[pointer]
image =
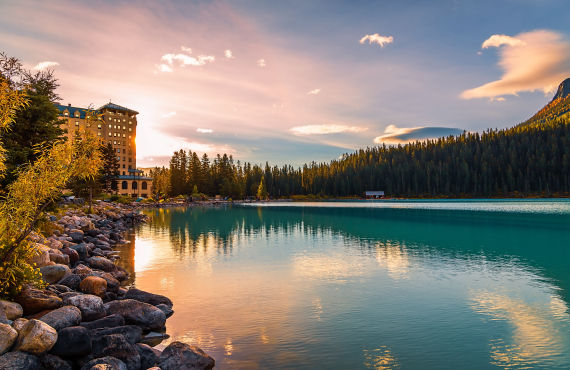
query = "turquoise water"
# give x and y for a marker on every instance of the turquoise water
(349, 285)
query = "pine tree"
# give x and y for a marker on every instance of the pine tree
(110, 169)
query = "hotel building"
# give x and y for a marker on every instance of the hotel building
(118, 126)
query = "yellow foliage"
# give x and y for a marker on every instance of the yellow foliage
(36, 185)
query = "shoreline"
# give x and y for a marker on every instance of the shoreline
(84, 317)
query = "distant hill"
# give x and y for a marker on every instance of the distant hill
(559, 107)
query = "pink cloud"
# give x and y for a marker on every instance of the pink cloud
(536, 60)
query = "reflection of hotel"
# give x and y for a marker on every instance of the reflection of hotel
(118, 127)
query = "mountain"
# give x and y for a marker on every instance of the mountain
(558, 108)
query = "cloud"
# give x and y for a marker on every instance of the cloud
(377, 39)
(499, 99)
(261, 63)
(536, 60)
(169, 114)
(228, 54)
(401, 135)
(325, 129)
(314, 92)
(45, 65)
(499, 40)
(204, 130)
(183, 60)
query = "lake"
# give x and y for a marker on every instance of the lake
(469, 284)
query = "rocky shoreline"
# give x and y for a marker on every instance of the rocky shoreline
(84, 318)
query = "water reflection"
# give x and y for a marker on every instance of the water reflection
(350, 288)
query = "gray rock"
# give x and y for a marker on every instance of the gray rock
(72, 255)
(101, 263)
(132, 333)
(73, 341)
(58, 289)
(117, 346)
(164, 308)
(105, 363)
(12, 309)
(178, 356)
(19, 360)
(76, 235)
(113, 284)
(8, 336)
(54, 273)
(82, 251)
(154, 339)
(71, 281)
(3, 318)
(53, 362)
(36, 337)
(62, 317)
(138, 313)
(149, 356)
(110, 321)
(60, 258)
(91, 306)
(146, 297)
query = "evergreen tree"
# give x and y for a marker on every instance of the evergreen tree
(110, 169)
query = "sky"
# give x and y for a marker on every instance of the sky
(292, 82)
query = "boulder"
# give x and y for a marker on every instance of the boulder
(59, 289)
(8, 336)
(82, 251)
(12, 309)
(62, 317)
(53, 362)
(91, 306)
(19, 360)
(101, 263)
(76, 235)
(18, 324)
(71, 254)
(71, 281)
(54, 273)
(93, 285)
(164, 308)
(35, 300)
(138, 313)
(154, 339)
(3, 318)
(106, 322)
(41, 258)
(73, 341)
(105, 363)
(179, 356)
(60, 258)
(132, 333)
(82, 270)
(146, 297)
(113, 284)
(36, 337)
(117, 346)
(149, 356)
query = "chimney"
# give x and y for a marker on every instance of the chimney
(69, 104)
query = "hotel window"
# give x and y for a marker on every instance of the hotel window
(123, 167)
(99, 127)
(124, 128)
(98, 134)
(109, 118)
(76, 114)
(118, 150)
(118, 158)
(124, 135)
(66, 113)
(110, 134)
(76, 123)
(110, 126)
(130, 129)
(124, 158)
(130, 159)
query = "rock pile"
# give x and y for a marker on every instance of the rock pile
(84, 319)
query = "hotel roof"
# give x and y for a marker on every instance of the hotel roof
(81, 111)
(117, 107)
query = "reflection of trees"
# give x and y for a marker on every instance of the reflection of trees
(539, 240)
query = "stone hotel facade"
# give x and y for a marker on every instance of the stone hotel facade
(118, 127)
